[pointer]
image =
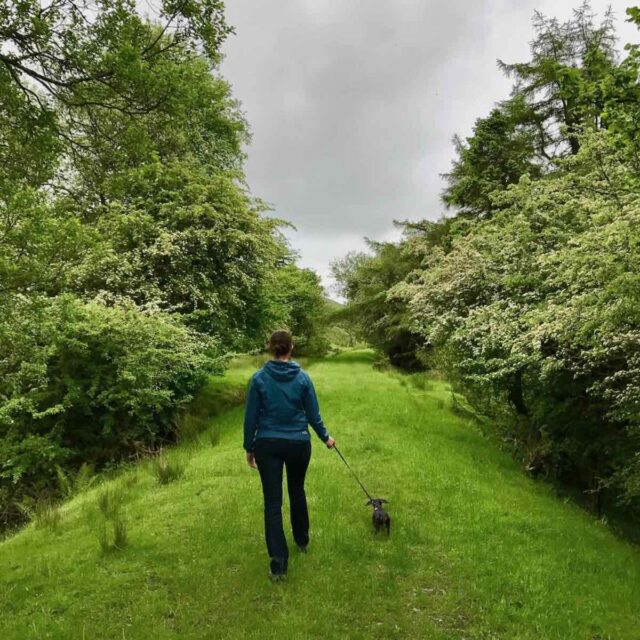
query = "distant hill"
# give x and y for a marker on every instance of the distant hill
(334, 305)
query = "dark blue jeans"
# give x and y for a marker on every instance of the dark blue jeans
(272, 454)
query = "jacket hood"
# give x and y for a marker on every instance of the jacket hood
(282, 371)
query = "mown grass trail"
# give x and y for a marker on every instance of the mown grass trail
(477, 549)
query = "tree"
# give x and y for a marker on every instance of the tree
(381, 317)
(175, 238)
(132, 255)
(562, 83)
(621, 112)
(297, 301)
(500, 150)
(80, 55)
(528, 297)
(556, 95)
(534, 316)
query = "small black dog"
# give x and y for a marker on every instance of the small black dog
(380, 517)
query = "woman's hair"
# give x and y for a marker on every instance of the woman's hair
(280, 343)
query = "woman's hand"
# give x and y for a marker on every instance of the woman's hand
(251, 460)
(330, 442)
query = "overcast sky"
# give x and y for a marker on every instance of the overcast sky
(353, 103)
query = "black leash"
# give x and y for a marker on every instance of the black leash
(353, 473)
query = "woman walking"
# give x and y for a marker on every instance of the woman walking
(281, 403)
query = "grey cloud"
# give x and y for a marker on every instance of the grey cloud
(353, 104)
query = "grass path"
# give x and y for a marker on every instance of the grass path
(477, 551)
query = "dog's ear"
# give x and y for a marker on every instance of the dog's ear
(368, 502)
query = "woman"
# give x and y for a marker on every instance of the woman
(281, 403)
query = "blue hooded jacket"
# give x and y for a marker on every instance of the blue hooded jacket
(281, 403)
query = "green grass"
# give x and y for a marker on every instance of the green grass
(477, 550)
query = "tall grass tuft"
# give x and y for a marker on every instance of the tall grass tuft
(165, 471)
(44, 514)
(214, 437)
(112, 534)
(105, 519)
(109, 502)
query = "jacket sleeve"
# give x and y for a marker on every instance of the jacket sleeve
(251, 414)
(312, 410)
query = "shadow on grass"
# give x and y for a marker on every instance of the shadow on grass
(364, 356)
(218, 396)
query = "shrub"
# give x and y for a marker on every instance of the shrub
(534, 316)
(83, 382)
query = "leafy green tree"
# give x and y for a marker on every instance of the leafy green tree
(113, 91)
(621, 113)
(178, 239)
(562, 83)
(78, 55)
(500, 150)
(527, 298)
(132, 255)
(556, 95)
(381, 319)
(533, 315)
(28, 145)
(294, 298)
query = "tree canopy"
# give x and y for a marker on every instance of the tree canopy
(134, 257)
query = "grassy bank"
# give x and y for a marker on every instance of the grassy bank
(477, 549)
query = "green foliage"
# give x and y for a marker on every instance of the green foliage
(562, 91)
(379, 316)
(45, 514)
(533, 315)
(178, 239)
(562, 84)
(295, 300)
(72, 482)
(133, 255)
(76, 53)
(499, 152)
(87, 382)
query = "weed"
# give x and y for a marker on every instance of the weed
(111, 534)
